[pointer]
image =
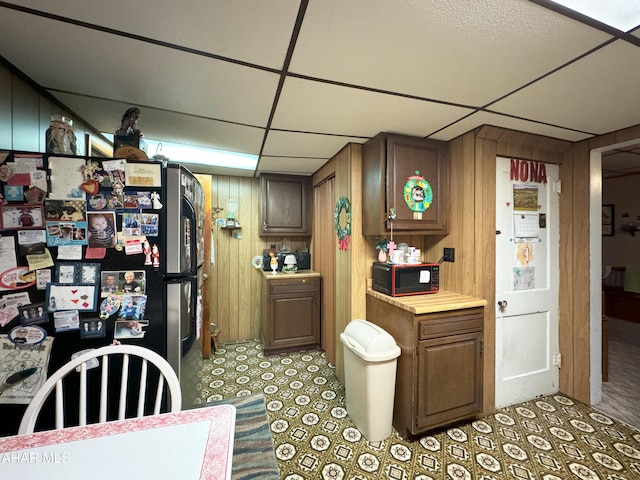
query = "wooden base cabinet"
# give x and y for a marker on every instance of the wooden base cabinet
(439, 376)
(291, 312)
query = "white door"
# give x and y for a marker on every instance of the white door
(527, 237)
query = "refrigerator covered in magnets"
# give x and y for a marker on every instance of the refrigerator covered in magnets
(96, 251)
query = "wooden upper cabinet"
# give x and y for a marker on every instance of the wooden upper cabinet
(286, 205)
(408, 175)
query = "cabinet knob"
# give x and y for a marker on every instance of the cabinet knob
(264, 227)
(304, 281)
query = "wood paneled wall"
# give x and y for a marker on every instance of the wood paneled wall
(236, 293)
(25, 115)
(349, 282)
(575, 304)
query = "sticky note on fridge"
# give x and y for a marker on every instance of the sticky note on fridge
(95, 252)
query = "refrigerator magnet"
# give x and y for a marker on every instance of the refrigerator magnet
(130, 329)
(32, 314)
(26, 216)
(27, 335)
(66, 320)
(101, 228)
(109, 306)
(144, 199)
(71, 297)
(143, 174)
(133, 246)
(92, 328)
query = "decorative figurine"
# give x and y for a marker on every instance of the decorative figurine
(155, 201)
(129, 123)
(147, 253)
(118, 188)
(155, 253)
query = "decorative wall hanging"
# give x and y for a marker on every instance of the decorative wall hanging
(418, 193)
(343, 232)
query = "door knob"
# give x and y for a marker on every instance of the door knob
(502, 304)
(205, 276)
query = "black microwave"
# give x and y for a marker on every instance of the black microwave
(398, 280)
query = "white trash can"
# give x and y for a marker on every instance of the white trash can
(370, 357)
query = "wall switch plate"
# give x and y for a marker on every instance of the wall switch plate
(449, 255)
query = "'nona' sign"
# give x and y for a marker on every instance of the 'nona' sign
(527, 171)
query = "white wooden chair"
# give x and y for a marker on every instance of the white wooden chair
(104, 354)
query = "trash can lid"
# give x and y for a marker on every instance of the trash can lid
(369, 341)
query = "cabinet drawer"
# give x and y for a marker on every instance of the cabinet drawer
(450, 326)
(298, 286)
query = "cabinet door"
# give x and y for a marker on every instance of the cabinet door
(449, 379)
(416, 183)
(294, 321)
(285, 205)
(409, 175)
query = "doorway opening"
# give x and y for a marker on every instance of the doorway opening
(597, 261)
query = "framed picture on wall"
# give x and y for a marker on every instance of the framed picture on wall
(608, 220)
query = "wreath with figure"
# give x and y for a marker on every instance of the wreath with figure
(418, 193)
(343, 232)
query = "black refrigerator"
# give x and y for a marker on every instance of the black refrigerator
(167, 272)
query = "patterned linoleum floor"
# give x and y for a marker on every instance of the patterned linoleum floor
(549, 438)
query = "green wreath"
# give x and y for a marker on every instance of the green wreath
(343, 232)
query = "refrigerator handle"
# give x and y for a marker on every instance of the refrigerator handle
(190, 213)
(188, 342)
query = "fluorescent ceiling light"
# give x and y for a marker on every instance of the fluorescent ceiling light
(621, 14)
(202, 156)
(177, 152)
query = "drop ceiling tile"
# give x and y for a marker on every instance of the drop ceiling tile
(467, 51)
(229, 29)
(111, 67)
(168, 126)
(598, 94)
(290, 165)
(305, 145)
(324, 108)
(484, 118)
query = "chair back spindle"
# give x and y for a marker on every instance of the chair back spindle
(105, 355)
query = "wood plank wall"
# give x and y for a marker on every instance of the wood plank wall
(236, 288)
(349, 282)
(25, 115)
(575, 268)
(205, 181)
(472, 162)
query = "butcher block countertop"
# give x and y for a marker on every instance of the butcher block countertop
(442, 301)
(290, 276)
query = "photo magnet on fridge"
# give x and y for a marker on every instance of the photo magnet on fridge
(92, 328)
(130, 329)
(33, 314)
